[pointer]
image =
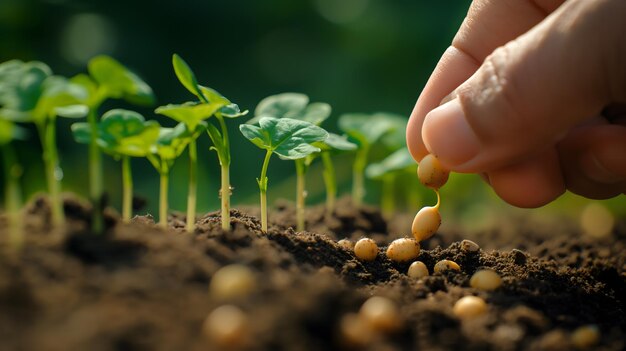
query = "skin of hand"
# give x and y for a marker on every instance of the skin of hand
(532, 95)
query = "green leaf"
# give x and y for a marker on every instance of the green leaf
(90, 87)
(72, 111)
(22, 84)
(232, 111)
(59, 95)
(9, 131)
(314, 113)
(119, 124)
(120, 82)
(186, 76)
(336, 142)
(400, 160)
(213, 96)
(173, 141)
(190, 113)
(289, 138)
(365, 129)
(81, 132)
(396, 138)
(280, 106)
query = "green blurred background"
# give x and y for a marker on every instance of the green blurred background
(357, 55)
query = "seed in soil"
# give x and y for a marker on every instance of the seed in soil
(469, 246)
(355, 332)
(469, 307)
(346, 244)
(585, 337)
(417, 270)
(402, 250)
(426, 223)
(485, 279)
(381, 314)
(431, 173)
(444, 265)
(232, 282)
(366, 249)
(227, 326)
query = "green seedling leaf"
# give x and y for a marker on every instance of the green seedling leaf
(289, 138)
(190, 113)
(365, 129)
(396, 138)
(9, 131)
(72, 111)
(232, 111)
(93, 96)
(294, 106)
(399, 161)
(186, 76)
(336, 142)
(120, 82)
(213, 96)
(60, 97)
(173, 141)
(22, 84)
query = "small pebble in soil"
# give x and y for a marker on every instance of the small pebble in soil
(426, 223)
(445, 265)
(485, 279)
(585, 337)
(366, 249)
(232, 282)
(417, 270)
(431, 173)
(381, 314)
(355, 332)
(227, 326)
(469, 246)
(519, 257)
(346, 244)
(469, 307)
(403, 250)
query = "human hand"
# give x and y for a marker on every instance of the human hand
(537, 99)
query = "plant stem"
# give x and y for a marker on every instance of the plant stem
(95, 174)
(387, 196)
(224, 158)
(263, 190)
(127, 185)
(330, 182)
(13, 200)
(438, 199)
(358, 168)
(193, 186)
(163, 199)
(300, 194)
(47, 132)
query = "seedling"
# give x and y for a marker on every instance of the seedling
(288, 138)
(12, 174)
(169, 145)
(211, 103)
(122, 134)
(107, 79)
(427, 220)
(365, 130)
(387, 171)
(366, 249)
(403, 250)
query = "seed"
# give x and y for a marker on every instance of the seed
(417, 270)
(469, 307)
(227, 326)
(444, 265)
(381, 314)
(346, 244)
(402, 250)
(366, 249)
(354, 330)
(485, 279)
(426, 223)
(586, 336)
(431, 173)
(469, 246)
(232, 282)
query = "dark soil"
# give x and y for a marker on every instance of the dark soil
(141, 288)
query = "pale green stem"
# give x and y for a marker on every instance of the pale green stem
(387, 198)
(127, 188)
(330, 182)
(224, 158)
(95, 173)
(300, 194)
(163, 205)
(263, 190)
(13, 200)
(438, 199)
(193, 186)
(358, 169)
(47, 133)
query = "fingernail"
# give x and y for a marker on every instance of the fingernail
(448, 136)
(594, 169)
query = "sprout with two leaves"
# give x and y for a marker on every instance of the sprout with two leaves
(211, 103)
(387, 171)
(122, 134)
(291, 139)
(107, 79)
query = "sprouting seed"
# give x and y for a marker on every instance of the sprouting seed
(232, 282)
(469, 307)
(485, 279)
(402, 250)
(586, 336)
(431, 173)
(445, 265)
(355, 332)
(227, 326)
(366, 249)
(469, 246)
(346, 244)
(426, 221)
(417, 270)
(381, 314)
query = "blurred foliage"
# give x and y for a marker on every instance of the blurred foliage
(357, 55)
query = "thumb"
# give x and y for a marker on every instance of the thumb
(527, 94)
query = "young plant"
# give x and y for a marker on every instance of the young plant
(122, 134)
(168, 146)
(210, 103)
(12, 174)
(290, 139)
(107, 79)
(388, 171)
(365, 130)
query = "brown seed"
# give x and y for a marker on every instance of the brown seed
(469, 307)
(232, 282)
(469, 246)
(485, 279)
(346, 244)
(366, 249)
(402, 250)
(381, 314)
(227, 326)
(444, 265)
(417, 270)
(586, 336)
(426, 223)
(431, 173)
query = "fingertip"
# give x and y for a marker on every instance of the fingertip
(414, 138)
